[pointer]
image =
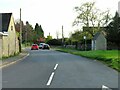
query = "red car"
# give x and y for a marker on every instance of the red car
(35, 47)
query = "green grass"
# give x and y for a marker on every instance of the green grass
(108, 57)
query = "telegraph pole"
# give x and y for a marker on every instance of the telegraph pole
(49, 33)
(20, 32)
(62, 36)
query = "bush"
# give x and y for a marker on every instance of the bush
(55, 42)
(115, 64)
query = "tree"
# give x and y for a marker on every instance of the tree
(77, 36)
(36, 32)
(17, 27)
(28, 32)
(39, 30)
(48, 39)
(113, 29)
(88, 15)
(56, 42)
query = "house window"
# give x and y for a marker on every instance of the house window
(11, 28)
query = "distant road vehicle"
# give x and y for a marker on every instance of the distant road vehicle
(46, 46)
(41, 45)
(34, 47)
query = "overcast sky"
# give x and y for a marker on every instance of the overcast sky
(51, 14)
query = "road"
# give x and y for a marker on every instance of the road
(53, 69)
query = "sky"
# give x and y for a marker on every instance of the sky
(52, 14)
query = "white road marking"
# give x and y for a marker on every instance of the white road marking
(55, 66)
(105, 88)
(50, 79)
(13, 62)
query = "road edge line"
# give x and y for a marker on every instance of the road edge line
(14, 61)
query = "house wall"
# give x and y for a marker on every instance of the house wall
(0, 46)
(5, 46)
(101, 43)
(10, 42)
(11, 37)
(93, 45)
(13, 41)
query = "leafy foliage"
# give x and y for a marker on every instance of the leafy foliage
(28, 33)
(56, 42)
(113, 30)
(38, 31)
(77, 36)
(89, 16)
(48, 39)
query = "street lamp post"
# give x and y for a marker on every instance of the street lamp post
(85, 42)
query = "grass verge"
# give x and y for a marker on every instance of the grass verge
(108, 57)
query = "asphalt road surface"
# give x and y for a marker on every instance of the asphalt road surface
(53, 69)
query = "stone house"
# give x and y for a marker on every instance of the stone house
(9, 43)
(99, 42)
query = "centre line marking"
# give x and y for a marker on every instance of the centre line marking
(50, 79)
(55, 66)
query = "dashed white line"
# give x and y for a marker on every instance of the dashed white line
(50, 79)
(52, 75)
(55, 66)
